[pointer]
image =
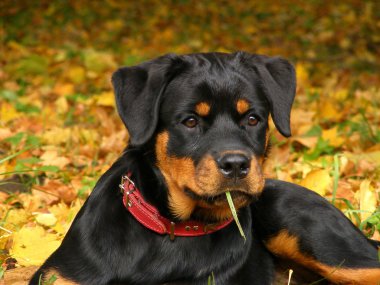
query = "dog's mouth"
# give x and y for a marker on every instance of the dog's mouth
(237, 195)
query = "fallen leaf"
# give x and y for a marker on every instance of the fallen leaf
(340, 95)
(5, 133)
(32, 245)
(317, 180)
(329, 111)
(367, 199)
(46, 219)
(97, 62)
(15, 218)
(54, 189)
(332, 136)
(51, 157)
(8, 113)
(345, 191)
(63, 89)
(61, 104)
(105, 99)
(56, 136)
(302, 74)
(76, 74)
(40, 195)
(19, 276)
(309, 142)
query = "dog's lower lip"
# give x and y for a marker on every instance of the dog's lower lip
(219, 197)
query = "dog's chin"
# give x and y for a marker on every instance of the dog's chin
(240, 197)
(215, 208)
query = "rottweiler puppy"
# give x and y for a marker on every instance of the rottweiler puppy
(198, 128)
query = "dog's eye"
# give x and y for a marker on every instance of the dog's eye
(252, 120)
(190, 122)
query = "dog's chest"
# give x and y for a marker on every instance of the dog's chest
(196, 259)
(197, 264)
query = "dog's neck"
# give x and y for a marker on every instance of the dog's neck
(149, 179)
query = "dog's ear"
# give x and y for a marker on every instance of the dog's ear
(138, 90)
(277, 81)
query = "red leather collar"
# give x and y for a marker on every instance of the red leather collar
(150, 217)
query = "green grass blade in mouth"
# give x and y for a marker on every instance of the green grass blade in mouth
(234, 214)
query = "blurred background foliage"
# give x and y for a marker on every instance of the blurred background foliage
(329, 35)
(59, 130)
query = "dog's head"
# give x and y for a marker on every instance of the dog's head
(207, 117)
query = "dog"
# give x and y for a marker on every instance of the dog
(198, 127)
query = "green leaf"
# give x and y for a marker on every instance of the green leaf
(8, 95)
(314, 131)
(32, 65)
(32, 140)
(27, 108)
(49, 168)
(322, 147)
(16, 139)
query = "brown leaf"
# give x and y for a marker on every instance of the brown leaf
(51, 157)
(53, 190)
(19, 276)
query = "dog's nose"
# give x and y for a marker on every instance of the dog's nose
(234, 165)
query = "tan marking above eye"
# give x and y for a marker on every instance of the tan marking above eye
(242, 106)
(202, 109)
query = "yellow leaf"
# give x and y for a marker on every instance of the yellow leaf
(90, 137)
(15, 218)
(105, 99)
(46, 219)
(367, 199)
(63, 89)
(65, 214)
(56, 136)
(372, 156)
(329, 111)
(8, 113)
(317, 180)
(97, 62)
(302, 74)
(333, 137)
(32, 245)
(76, 74)
(61, 105)
(340, 95)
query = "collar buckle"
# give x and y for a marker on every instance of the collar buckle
(130, 189)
